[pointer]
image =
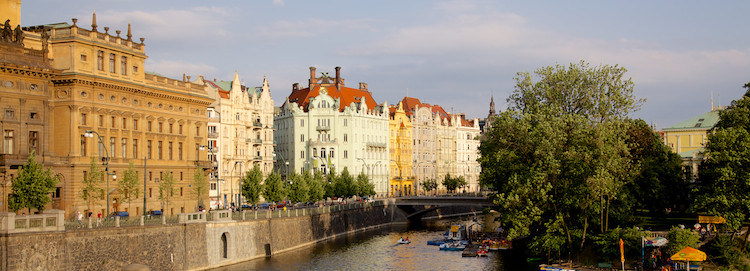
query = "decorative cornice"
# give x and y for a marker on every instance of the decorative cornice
(136, 91)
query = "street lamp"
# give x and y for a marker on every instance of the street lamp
(285, 163)
(368, 169)
(90, 134)
(213, 168)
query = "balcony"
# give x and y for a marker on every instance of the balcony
(256, 141)
(203, 163)
(257, 125)
(13, 159)
(377, 145)
(323, 143)
(213, 135)
(257, 158)
(323, 128)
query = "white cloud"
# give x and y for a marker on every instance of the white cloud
(172, 24)
(310, 28)
(278, 2)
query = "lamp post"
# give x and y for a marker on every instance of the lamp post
(213, 168)
(368, 169)
(285, 163)
(90, 134)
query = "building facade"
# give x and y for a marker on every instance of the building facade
(240, 136)
(99, 87)
(402, 179)
(688, 139)
(330, 126)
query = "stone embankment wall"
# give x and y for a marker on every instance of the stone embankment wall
(193, 246)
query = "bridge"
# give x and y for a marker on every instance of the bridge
(416, 207)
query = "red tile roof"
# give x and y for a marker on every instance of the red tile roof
(346, 96)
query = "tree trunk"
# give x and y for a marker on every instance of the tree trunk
(606, 227)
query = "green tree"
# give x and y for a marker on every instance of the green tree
(681, 238)
(273, 190)
(252, 185)
(331, 188)
(429, 185)
(345, 185)
(317, 185)
(299, 189)
(558, 159)
(166, 189)
(364, 186)
(128, 185)
(725, 189)
(32, 187)
(453, 183)
(199, 186)
(91, 190)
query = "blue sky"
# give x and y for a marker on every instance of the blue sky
(452, 53)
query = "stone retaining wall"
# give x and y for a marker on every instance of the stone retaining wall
(192, 246)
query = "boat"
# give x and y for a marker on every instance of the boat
(453, 246)
(500, 245)
(404, 241)
(482, 251)
(436, 242)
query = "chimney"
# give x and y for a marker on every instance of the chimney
(295, 87)
(338, 76)
(312, 77)
(361, 86)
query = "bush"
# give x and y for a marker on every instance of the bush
(607, 245)
(681, 238)
(726, 252)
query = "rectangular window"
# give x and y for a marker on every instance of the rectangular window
(148, 149)
(179, 151)
(331, 153)
(135, 148)
(180, 129)
(213, 186)
(135, 124)
(101, 120)
(346, 154)
(124, 65)
(124, 148)
(83, 58)
(83, 118)
(113, 122)
(302, 154)
(302, 123)
(322, 153)
(345, 123)
(170, 128)
(112, 147)
(9, 114)
(159, 148)
(346, 138)
(169, 149)
(34, 142)
(148, 125)
(8, 143)
(124, 123)
(100, 60)
(112, 63)
(197, 131)
(302, 138)
(161, 125)
(149, 191)
(135, 69)
(83, 145)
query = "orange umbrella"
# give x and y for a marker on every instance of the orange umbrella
(689, 254)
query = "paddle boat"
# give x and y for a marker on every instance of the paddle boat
(404, 241)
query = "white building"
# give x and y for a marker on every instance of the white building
(240, 135)
(328, 125)
(443, 143)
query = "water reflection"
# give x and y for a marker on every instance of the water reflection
(379, 250)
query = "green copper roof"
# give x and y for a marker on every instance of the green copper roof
(702, 122)
(225, 85)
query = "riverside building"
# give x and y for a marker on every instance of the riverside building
(240, 136)
(86, 96)
(330, 126)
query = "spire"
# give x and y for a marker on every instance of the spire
(93, 22)
(265, 82)
(492, 105)
(130, 36)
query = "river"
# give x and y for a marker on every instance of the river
(378, 250)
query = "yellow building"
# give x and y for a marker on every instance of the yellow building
(98, 83)
(688, 139)
(402, 180)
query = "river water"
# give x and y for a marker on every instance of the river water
(378, 250)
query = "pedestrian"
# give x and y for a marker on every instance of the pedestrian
(99, 219)
(80, 218)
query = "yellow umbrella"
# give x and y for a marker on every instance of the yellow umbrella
(689, 254)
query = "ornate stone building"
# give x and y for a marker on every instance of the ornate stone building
(402, 179)
(240, 135)
(97, 82)
(328, 125)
